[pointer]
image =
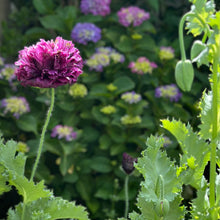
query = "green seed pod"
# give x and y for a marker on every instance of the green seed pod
(184, 75)
(197, 48)
(162, 207)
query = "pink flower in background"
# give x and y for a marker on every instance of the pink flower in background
(63, 131)
(132, 16)
(96, 7)
(142, 66)
(49, 64)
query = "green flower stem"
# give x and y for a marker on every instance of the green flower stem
(126, 196)
(181, 40)
(181, 27)
(215, 123)
(43, 133)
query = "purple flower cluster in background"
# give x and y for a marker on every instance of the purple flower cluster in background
(168, 91)
(142, 66)
(131, 97)
(49, 64)
(82, 33)
(15, 105)
(8, 73)
(132, 16)
(102, 58)
(63, 131)
(96, 7)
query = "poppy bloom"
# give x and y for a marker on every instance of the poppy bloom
(49, 64)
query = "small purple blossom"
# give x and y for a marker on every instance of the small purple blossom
(132, 15)
(82, 33)
(49, 64)
(128, 163)
(142, 66)
(102, 58)
(63, 131)
(15, 105)
(166, 53)
(131, 97)
(168, 91)
(96, 7)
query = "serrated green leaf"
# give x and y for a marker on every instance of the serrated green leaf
(28, 189)
(49, 209)
(200, 205)
(9, 160)
(3, 179)
(152, 165)
(206, 116)
(192, 145)
(204, 10)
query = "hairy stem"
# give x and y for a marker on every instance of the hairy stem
(43, 134)
(215, 124)
(126, 196)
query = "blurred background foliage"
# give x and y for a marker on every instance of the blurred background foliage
(88, 169)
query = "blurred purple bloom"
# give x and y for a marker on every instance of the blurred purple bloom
(49, 64)
(142, 66)
(84, 32)
(15, 105)
(102, 58)
(166, 53)
(128, 163)
(131, 97)
(63, 131)
(132, 15)
(96, 7)
(168, 91)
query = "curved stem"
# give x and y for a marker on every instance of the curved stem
(181, 40)
(43, 134)
(126, 196)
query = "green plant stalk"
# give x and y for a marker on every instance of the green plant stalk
(181, 26)
(181, 40)
(215, 125)
(126, 196)
(43, 134)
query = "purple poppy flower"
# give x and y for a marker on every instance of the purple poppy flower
(128, 163)
(49, 64)
(84, 32)
(132, 15)
(96, 7)
(63, 131)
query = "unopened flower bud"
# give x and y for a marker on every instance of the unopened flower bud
(184, 74)
(162, 207)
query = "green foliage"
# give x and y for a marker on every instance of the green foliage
(194, 159)
(38, 202)
(155, 165)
